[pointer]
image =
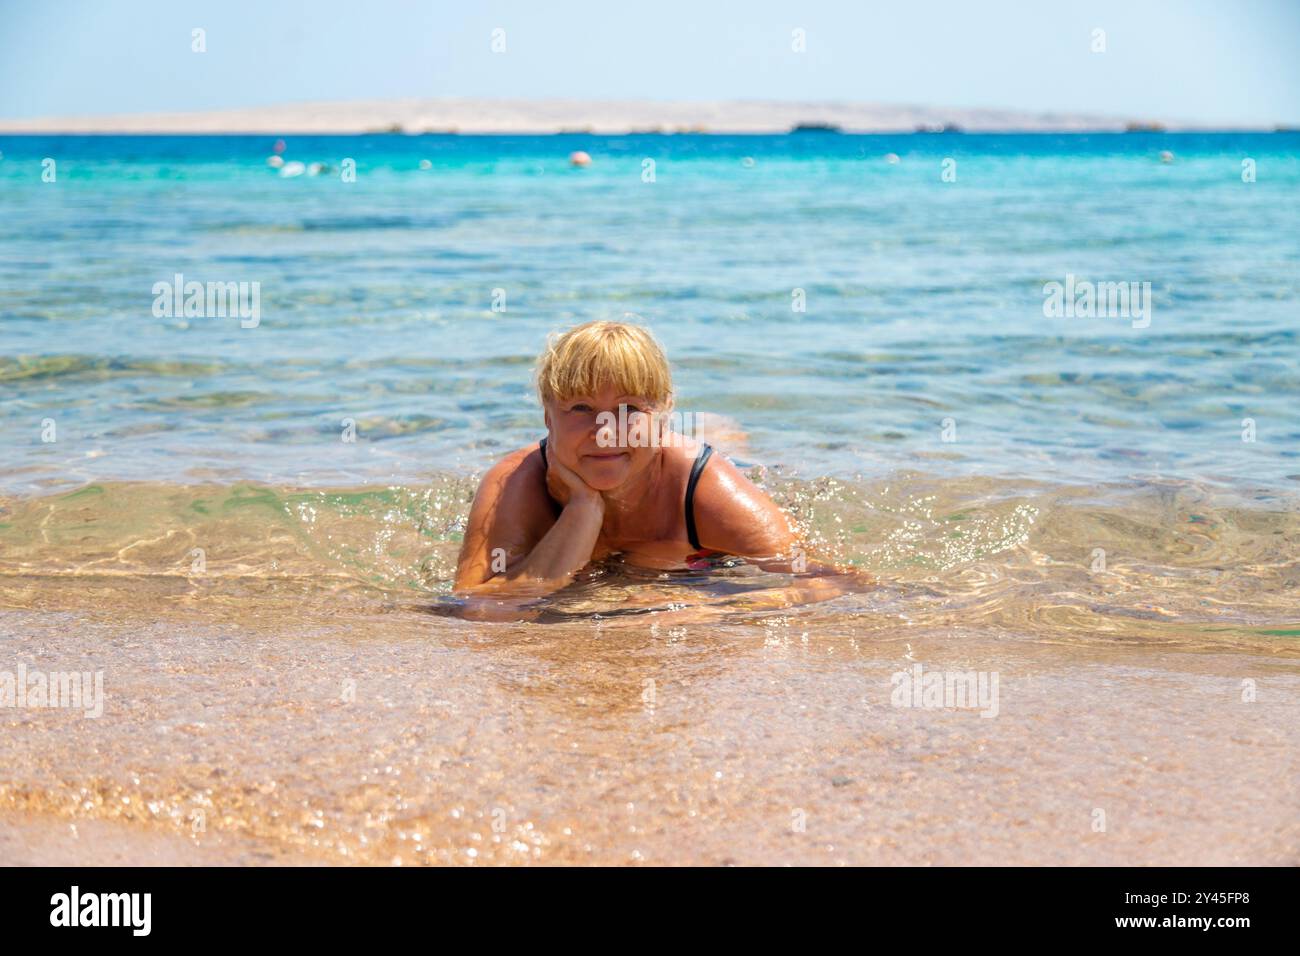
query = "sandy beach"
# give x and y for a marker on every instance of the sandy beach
(513, 746)
(270, 711)
(251, 532)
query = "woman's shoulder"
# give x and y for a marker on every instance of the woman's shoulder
(530, 456)
(518, 473)
(734, 514)
(683, 450)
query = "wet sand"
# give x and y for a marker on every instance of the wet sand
(638, 743)
(302, 701)
(40, 840)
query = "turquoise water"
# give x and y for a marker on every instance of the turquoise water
(924, 301)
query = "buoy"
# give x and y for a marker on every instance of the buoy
(579, 158)
(1166, 156)
(426, 164)
(315, 169)
(279, 146)
(892, 159)
(292, 169)
(748, 162)
(275, 162)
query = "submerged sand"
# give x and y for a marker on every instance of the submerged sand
(1147, 715)
(747, 744)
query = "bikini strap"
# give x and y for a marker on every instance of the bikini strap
(701, 460)
(555, 505)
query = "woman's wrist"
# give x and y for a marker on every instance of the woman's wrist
(593, 501)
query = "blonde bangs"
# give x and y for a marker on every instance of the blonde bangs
(590, 357)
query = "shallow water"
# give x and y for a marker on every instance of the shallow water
(394, 740)
(289, 680)
(311, 696)
(923, 300)
(1158, 560)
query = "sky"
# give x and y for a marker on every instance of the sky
(1198, 61)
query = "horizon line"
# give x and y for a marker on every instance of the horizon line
(460, 115)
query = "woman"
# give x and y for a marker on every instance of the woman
(610, 477)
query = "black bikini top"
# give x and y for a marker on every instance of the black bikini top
(697, 468)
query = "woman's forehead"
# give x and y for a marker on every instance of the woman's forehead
(609, 393)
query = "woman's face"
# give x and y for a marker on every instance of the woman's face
(604, 444)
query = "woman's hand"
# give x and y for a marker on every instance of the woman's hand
(565, 547)
(566, 485)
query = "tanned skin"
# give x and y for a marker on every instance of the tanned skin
(606, 499)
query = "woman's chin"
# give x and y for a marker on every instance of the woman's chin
(606, 474)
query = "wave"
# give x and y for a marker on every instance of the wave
(1166, 561)
(29, 368)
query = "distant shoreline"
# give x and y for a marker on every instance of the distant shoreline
(1208, 130)
(473, 116)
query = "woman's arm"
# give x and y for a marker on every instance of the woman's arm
(563, 551)
(736, 517)
(514, 544)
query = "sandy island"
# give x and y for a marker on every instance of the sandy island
(477, 115)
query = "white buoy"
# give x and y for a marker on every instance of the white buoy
(579, 158)
(426, 164)
(748, 162)
(1166, 156)
(892, 159)
(293, 168)
(275, 162)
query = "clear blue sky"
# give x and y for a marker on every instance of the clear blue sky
(1197, 60)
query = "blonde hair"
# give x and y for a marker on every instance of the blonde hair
(594, 355)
